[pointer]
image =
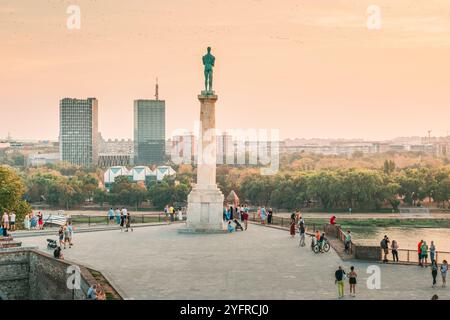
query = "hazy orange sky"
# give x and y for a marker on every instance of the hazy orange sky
(309, 68)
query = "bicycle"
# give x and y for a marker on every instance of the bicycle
(324, 247)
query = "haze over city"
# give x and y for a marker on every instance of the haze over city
(315, 60)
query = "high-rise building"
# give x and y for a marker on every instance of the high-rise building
(78, 135)
(149, 132)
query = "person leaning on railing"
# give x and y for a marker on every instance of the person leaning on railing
(394, 249)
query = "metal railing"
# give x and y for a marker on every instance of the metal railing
(103, 220)
(412, 256)
(280, 221)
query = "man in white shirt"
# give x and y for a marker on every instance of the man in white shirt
(12, 221)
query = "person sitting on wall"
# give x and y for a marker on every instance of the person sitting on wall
(91, 293)
(333, 220)
(58, 254)
(230, 228)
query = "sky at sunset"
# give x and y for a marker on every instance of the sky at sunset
(310, 68)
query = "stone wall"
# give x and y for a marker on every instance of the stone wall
(370, 253)
(32, 275)
(14, 271)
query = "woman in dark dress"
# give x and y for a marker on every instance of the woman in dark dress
(292, 228)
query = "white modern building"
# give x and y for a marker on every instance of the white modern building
(137, 174)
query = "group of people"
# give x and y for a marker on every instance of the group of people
(96, 292)
(340, 276)
(170, 212)
(34, 221)
(233, 214)
(65, 235)
(8, 223)
(265, 215)
(121, 217)
(422, 255)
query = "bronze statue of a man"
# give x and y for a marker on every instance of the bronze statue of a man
(208, 62)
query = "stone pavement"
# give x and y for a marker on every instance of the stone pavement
(261, 263)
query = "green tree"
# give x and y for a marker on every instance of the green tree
(12, 190)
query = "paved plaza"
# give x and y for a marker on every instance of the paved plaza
(262, 263)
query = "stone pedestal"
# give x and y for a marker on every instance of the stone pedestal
(205, 202)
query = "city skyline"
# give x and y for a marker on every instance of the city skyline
(317, 61)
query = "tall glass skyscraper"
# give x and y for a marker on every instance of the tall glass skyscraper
(78, 133)
(149, 132)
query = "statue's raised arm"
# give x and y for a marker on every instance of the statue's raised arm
(208, 62)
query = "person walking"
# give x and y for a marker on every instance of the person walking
(66, 237)
(302, 231)
(424, 253)
(122, 220)
(339, 280)
(61, 236)
(444, 270)
(180, 214)
(40, 221)
(245, 215)
(117, 215)
(128, 222)
(263, 215)
(432, 251)
(434, 271)
(110, 216)
(352, 281)
(394, 249)
(172, 214)
(70, 228)
(292, 228)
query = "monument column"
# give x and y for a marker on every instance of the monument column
(205, 202)
(206, 169)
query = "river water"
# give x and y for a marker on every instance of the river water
(407, 238)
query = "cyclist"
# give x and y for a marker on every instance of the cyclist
(321, 241)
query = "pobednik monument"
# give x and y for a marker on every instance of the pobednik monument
(205, 202)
